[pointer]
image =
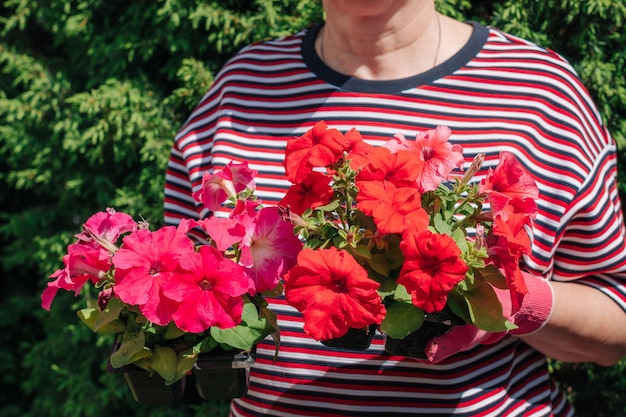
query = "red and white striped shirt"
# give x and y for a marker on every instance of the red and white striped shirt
(500, 93)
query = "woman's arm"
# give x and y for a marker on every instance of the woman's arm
(585, 326)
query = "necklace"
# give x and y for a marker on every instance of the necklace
(436, 59)
(438, 40)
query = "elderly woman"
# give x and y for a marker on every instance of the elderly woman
(397, 66)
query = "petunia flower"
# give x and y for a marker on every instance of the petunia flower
(394, 209)
(507, 242)
(333, 292)
(510, 188)
(432, 147)
(246, 215)
(314, 191)
(400, 168)
(210, 294)
(83, 263)
(318, 147)
(144, 263)
(432, 267)
(108, 225)
(357, 149)
(224, 232)
(270, 249)
(217, 188)
(51, 290)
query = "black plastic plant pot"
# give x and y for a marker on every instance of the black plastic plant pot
(151, 389)
(146, 387)
(414, 345)
(221, 374)
(354, 339)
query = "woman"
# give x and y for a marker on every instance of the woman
(397, 66)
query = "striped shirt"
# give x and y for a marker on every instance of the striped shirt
(499, 93)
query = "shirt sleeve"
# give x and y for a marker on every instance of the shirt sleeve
(179, 202)
(592, 249)
(190, 158)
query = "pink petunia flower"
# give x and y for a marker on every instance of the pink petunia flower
(144, 263)
(273, 249)
(224, 232)
(440, 157)
(210, 294)
(108, 225)
(217, 188)
(245, 214)
(83, 263)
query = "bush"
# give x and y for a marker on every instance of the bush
(91, 94)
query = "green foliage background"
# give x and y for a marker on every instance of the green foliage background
(91, 95)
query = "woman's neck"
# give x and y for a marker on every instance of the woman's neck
(394, 43)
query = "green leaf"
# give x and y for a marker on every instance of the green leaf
(172, 332)
(243, 336)
(467, 283)
(485, 309)
(186, 360)
(458, 235)
(165, 362)
(441, 225)
(362, 251)
(395, 258)
(250, 315)
(142, 360)
(89, 316)
(110, 313)
(457, 303)
(332, 206)
(401, 294)
(238, 337)
(474, 257)
(401, 320)
(132, 344)
(271, 326)
(492, 275)
(379, 263)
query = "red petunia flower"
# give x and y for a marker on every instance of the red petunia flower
(358, 150)
(333, 292)
(400, 168)
(314, 191)
(510, 188)
(432, 267)
(318, 147)
(394, 209)
(507, 242)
